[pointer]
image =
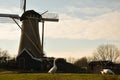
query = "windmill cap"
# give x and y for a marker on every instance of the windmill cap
(30, 14)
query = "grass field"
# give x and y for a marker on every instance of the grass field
(58, 76)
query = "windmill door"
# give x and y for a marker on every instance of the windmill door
(22, 63)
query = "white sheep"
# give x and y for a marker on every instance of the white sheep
(107, 71)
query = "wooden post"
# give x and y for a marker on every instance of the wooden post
(43, 36)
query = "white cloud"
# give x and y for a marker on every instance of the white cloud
(67, 54)
(10, 10)
(9, 31)
(87, 10)
(105, 26)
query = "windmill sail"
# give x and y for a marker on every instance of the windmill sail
(6, 18)
(50, 17)
(10, 16)
(23, 5)
(45, 17)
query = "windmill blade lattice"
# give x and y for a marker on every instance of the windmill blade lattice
(6, 18)
(23, 5)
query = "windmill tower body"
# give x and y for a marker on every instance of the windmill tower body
(30, 38)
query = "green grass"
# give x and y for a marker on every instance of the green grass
(58, 76)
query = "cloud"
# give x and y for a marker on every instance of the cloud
(88, 10)
(105, 26)
(67, 54)
(10, 10)
(9, 31)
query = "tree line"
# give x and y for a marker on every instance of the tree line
(104, 52)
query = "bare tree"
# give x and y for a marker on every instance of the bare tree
(71, 59)
(106, 52)
(4, 54)
(82, 62)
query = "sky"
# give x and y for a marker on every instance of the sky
(83, 26)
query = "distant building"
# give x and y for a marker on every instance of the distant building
(97, 66)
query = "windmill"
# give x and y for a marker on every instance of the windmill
(30, 38)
